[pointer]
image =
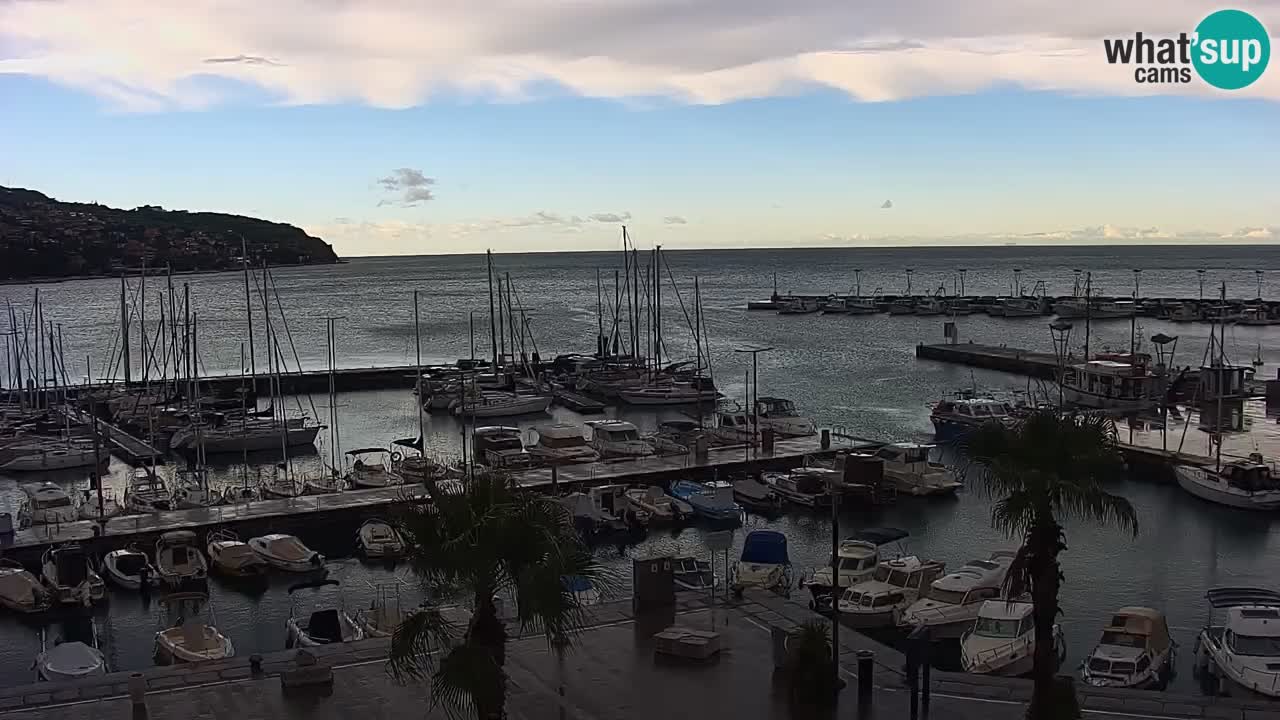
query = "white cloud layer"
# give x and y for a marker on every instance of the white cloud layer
(145, 55)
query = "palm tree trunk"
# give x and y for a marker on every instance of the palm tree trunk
(487, 631)
(1045, 540)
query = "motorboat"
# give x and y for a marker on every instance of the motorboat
(617, 439)
(191, 490)
(756, 496)
(233, 558)
(242, 492)
(20, 591)
(1135, 651)
(676, 437)
(384, 614)
(856, 560)
(659, 506)
(712, 501)
(322, 482)
(958, 306)
(1021, 307)
(379, 539)
(1184, 313)
(604, 508)
(674, 393)
(179, 560)
(46, 504)
(72, 659)
(368, 473)
(322, 624)
(286, 552)
(1247, 484)
(561, 444)
(247, 435)
(95, 507)
(489, 404)
(781, 416)
(733, 427)
(860, 306)
(1106, 384)
(764, 563)
(951, 604)
(798, 306)
(955, 418)
(931, 306)
(903, 306)
(130, 569)
(691, 573)
(51, 454)
(280, 485)
(1003, 640)
(908, 469)
(894, 586)
(806, 487)
(190, 638)
(147, 492)
(1244, 651)
(499, 448)
(69, 576)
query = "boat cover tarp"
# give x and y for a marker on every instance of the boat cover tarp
(1221, 597)
(765, 547)
(880, 535)
(576, 583)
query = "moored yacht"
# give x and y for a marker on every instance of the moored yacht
(1247, 484)
(895, 585)
(233, 558)
(247, 435)
(499, 448)
(286, 552)
(561, 444)
(1135, 651)
(618, 439)
(1003, 640)
(908, 469)
(147, 492)
(955, 418)
(46, 504)
(805, 487)
(321, 624)
(489, 404)
(951, 604)
(713, 501)
(1243, 652)
(1110, 385)
(781, 416)
(179, 560)
(856, 560)
(673, 393)
(51, 454)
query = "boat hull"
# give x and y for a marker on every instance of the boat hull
(1201, 483)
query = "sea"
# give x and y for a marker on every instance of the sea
(855, 374)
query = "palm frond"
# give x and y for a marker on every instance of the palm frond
(467, 678)
(423, 635)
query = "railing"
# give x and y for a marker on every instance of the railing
(1267, 683)
(986, 656)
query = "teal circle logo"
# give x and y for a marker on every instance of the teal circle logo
(1231, 49)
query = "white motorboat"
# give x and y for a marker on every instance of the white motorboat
(147, 492)
(1243, 652)
(604, 508)
(951, 604)
(674, 393)
(130, 569)
(232, 557)
(617, 439)
(191, 490)
(323, 482)
(895, 585)
(488, 404)
(386, 613)
(499, 448)
(20, 591)
(805, 487)
(69, 577)
(178, 558)
(93, 507)
(367, 472)
(249, 435)
(908, 468)
(1246, 484)
(286, 552)
(691, 573)
(560, 444)
(756, 496)
(1110, 385)
(379, 539)
(764, 563)
(733, 427)
(72, 660)
(856, 560)
(1135, 651)
(1003, 640)
(46, 504)
(190, 638)
(321, 624)
(51, 454)
(781, 416)
(659, 506)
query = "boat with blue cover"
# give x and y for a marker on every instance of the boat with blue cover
(764, 563)
(711, 501)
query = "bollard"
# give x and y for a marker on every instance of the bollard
(255, 664)
(926, 663)
(913, 680)
(826, 439)
(138, 695)
(866, 674)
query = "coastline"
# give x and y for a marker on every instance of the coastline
(151, 272)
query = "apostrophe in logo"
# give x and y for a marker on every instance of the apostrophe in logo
(1231, 49)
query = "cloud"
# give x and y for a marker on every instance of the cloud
(886, 205)
(674, 220)
(610, 217)
(409, 185)
(399, 53)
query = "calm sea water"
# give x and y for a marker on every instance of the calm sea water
(856, 373)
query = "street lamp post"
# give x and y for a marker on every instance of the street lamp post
(1061, 332)
(755, 393)
(1200, 272)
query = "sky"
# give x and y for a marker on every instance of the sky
(400, 127)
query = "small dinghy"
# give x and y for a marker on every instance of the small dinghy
(234, 558)
(20, 591)
(69, 577)
(322, 624)
(378, 539)
(189, 637)
(691, 573)
(280, 485)
(286, 552)
(191, 490)
(130, 569)
(178, 560)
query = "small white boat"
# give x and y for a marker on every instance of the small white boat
(856, 560)
(178, 558)
(733, 427)
(322, 624)
(322, 483)
(280, 485)
(764, 563)
(93, 507)
(286, 552)
(240, 493)
(1245, 484)
(781, 416)
(369, 473)
(190, 638)
(130, 569)
(379, 539)
(560, 444)
(70, 661)
(20, 591)
(70, 578)
(805, 487)
(49, 455)
(1003, 640)
(951, 604)
(895, 585)
(756, 496)
(384, 614)
(1243, 653)
(499, 447)
(1135, 651)
(488, 404)
(147, 492)
(691, 573)
(234, 558)
(660, 507)
(46, 504)
(908, 468)
(617, 439)
(191, 490)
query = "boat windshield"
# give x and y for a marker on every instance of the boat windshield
(996, 628)
(1255, 645)
(856, 563)
(950, 597)
(1123, 639)
(562, 442)
(1119, 667)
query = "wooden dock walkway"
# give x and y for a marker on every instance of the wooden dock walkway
(121, 443)
(578, 403)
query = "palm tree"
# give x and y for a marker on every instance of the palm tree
(1049, 466)
(485, 540)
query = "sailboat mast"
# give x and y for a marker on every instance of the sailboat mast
(493, 329)
(697, 342)
(1221, 369)
(97, 440)
(599, 318)
(142, 320)
(248, 312)
(127, 357)
(1088, 311)
(657, 305)
(417, 347)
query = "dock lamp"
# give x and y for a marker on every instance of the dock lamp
(1061, 332)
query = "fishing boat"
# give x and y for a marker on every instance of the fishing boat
(894, 586)
(130, 569)
(808, 488)
(780, 416)
(490, 404)
(764, 563)
(711, 501)
(1021, 307)
(957, 417)
(190, 638)
(45, 504)
(903, 306)
(1003, 640)
(499, 448)
(560, 444)
(856, 560)
(660, 507)
(69, 576)
(951, 604)
(95, 507)
(366, 473)
(1110, 385)
(798, 306)
(692, 574)
(20, 591)
(233, 558)
(1244, 651)
(286, 552)
(1246, 484)
(1135, 651)
(756, 496)
(179, 560)
(322, 624)
(72, 659)
(323, 482)
(908, 469)
(280, 484)
(617, 439)
(191, 490)
(147, 492)
(379, 539)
